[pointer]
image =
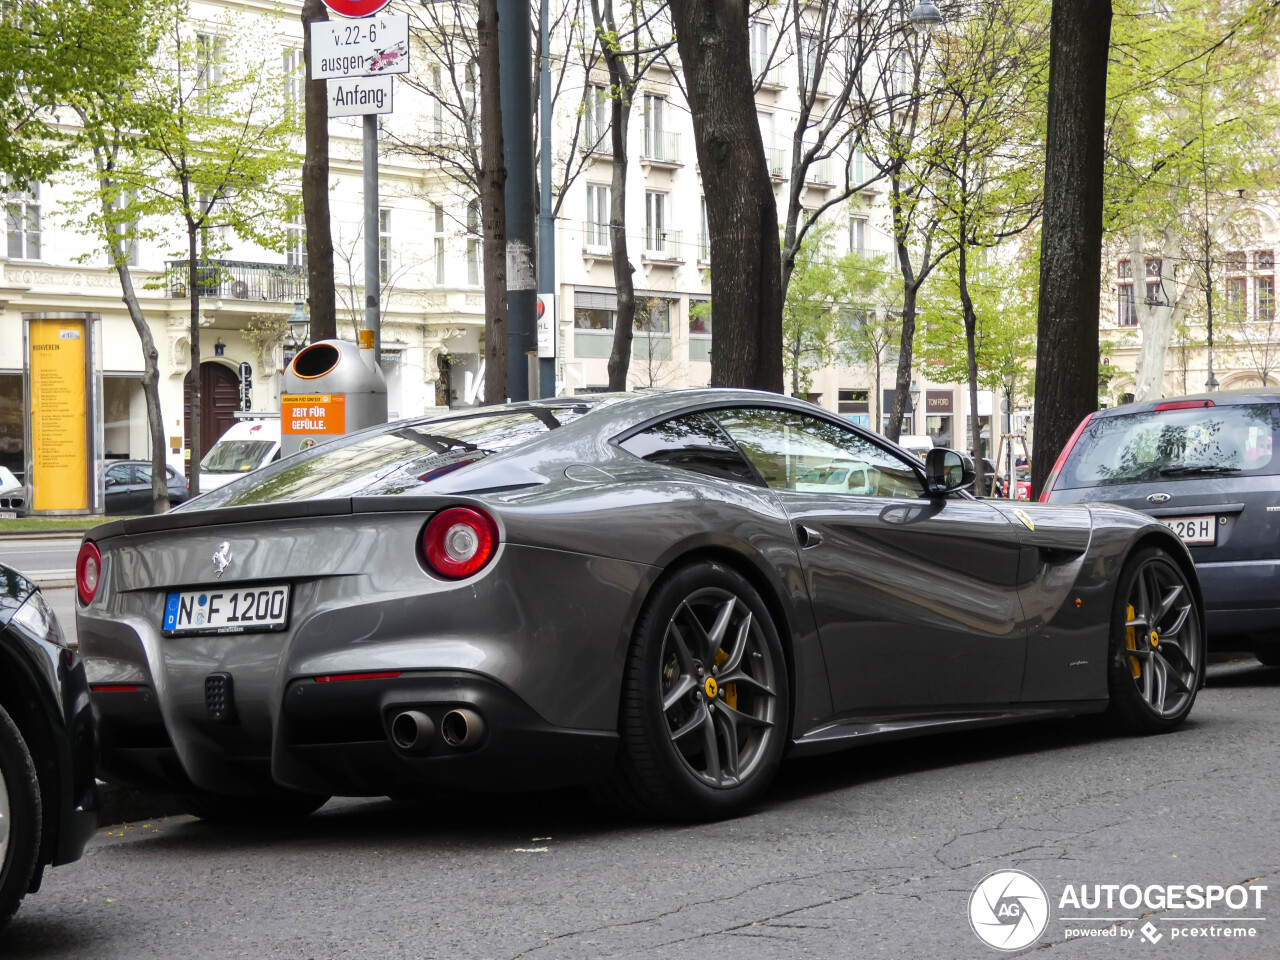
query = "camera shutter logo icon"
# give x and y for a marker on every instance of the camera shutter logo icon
(1008, 910)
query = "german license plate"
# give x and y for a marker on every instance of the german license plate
(1194, 530)
(243, 610)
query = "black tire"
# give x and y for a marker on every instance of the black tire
(1269, 656)
(275, 809)
(730, 713)
(1157, 657)
(20, 829)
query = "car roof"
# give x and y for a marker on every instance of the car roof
(1219, 398)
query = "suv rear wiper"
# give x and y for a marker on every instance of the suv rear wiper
(1202, 468)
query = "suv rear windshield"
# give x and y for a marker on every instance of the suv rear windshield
(1174, 444)
(390, 462)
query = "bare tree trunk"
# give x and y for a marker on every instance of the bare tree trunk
(150, 385)
(315, 189)
(193, 420)
(493, 206)
(971, 355)
(150, 356)
(622, 91)
(742, 214)
(1071, 237)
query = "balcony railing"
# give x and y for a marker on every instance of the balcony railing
(595, 238)
(661, 146)
(819, 172)
(237, 280)
(776, 159)
(662, 244)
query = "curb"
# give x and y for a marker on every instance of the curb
(50, 579)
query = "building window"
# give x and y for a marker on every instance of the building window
(384, 243)
(23, 215)
(858, 235)
(210, 52)
(855, 405)
(1264, 286)
(126, 230)
(810, 44)
(436, 84)
(1127, 309)
(295, 250)
(598, 212)
(704, 235)
(1155, 291)
(857, 167)
(594, 311)
(438, 223)
(652, 316)
(470, 89)
(473, 243)
(1237, 286)
(657, 145)
(699, 317)
(655, 231)
(597, 109)
(294, 77)
(760, 49)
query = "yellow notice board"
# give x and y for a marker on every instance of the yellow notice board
(59, 411)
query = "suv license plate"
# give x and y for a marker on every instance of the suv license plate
(1195, 531)
(245, 610)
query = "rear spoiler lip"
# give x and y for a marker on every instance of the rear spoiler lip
(289, 510)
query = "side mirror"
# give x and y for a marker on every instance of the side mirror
(111, 481)
(946, 471)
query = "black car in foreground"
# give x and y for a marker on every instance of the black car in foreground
(1208, 467)
(48, 794)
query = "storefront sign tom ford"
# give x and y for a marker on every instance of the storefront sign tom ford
(939, 401)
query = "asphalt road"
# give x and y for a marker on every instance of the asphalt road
(869, 853)
(37, 556)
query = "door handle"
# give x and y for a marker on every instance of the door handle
(807, 536)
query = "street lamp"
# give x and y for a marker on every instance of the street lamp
(925, 18)
(914, 394)
(299, 325)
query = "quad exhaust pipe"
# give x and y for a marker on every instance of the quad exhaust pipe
(413, 732)
(462, 728)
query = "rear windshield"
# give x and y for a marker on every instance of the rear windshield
(1173, 444)
(391, 462)
(235, 456)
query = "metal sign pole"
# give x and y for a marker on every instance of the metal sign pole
(372, 261)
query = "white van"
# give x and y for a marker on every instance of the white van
(919, 445)
(246, 446)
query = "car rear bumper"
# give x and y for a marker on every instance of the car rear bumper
(335, 738)
(1242, 599)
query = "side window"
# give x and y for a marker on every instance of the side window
(143, 473)
(693, 442)
(118, 474)
(797, 452)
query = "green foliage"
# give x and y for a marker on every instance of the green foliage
(816, 312)
(54, 52)
(1004, 302)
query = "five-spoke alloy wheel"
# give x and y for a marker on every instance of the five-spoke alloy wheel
(1158, 646)
(705, 704)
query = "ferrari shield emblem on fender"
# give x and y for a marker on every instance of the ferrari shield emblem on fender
(1025, 518)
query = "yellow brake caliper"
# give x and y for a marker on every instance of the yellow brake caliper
(731, 689)
(1131, 641)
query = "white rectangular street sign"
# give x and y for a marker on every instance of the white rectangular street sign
(365, 47)
(358, 96)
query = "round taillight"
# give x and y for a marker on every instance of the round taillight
(88, 572)
(459, 541)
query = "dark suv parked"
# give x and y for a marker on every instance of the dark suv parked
(1209, 467)
(48, 794)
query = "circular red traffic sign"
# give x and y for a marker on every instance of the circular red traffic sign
(356, 8)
